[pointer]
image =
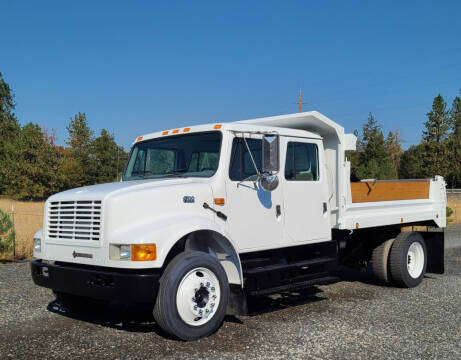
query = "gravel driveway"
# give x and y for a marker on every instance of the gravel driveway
(355, 318)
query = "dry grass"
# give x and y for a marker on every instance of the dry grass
(28, 219)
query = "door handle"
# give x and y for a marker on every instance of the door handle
(278, 211)
(325, 208)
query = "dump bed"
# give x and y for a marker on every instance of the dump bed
(373, 203)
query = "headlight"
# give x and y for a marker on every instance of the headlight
(134, 252)
(125, 252)
(37, 244)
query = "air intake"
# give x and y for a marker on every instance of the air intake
(74, 220)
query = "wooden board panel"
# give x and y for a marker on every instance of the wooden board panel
(389, 190)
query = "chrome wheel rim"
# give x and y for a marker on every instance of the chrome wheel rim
(415, 260)
(198, 296)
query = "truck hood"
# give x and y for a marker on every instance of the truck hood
(101, 191)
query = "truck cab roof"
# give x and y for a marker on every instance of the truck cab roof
(311, 124)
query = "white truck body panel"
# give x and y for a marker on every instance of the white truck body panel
(153, 211)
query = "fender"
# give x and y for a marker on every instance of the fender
(165, 231)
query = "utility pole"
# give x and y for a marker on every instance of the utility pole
(300, 101)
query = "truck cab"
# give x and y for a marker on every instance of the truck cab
(206, 215)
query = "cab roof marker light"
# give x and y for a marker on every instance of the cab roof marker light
(139, 138)
(175, 131)
(187, 129)
(217, 126)
(165, 132)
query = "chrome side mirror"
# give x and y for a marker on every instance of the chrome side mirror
(270, 154)
(269, 182)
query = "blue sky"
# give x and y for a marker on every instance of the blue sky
(139, 66)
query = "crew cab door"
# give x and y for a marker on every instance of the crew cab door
(305, 190)
(254, 215)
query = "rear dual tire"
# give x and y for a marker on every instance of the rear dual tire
(401, 261)
(408, 260)
(380, 259)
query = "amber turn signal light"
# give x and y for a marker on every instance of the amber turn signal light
(219, 201)
(143, 252)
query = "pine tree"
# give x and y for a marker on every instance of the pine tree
(436, 149)
(454, 143)
(69, 171)
(109, 157)
(374, 161)
(437, 124)
(80, 140)
(9, 126)
(412, 163)
(394, 148)
(31, 165)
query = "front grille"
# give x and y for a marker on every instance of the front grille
(74, 220)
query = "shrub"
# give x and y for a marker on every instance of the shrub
(6, 232)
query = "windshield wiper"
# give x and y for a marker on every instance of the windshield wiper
(141, 173)
(177, 172)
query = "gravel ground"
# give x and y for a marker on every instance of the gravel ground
(355, 318)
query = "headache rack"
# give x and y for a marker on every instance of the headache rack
(74, 220)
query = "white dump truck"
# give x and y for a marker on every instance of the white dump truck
(205, 216)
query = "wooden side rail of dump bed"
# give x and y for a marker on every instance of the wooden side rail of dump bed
(389, 190)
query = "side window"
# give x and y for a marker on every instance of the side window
(302, 162)
(241, 166)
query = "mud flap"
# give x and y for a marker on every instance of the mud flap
(435, 244)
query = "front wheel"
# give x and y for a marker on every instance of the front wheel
(408, 259)
(192, 298)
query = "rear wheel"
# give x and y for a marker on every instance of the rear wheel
(380, 259)
(192, 298)
(408, 259)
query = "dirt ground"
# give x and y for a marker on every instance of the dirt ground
(356, 318)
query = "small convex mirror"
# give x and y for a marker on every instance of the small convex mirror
(269, 182)
(270, 149)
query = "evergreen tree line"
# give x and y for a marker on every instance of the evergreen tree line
(33, 167)
(438, 153)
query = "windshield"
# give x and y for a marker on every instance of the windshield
(192, 155)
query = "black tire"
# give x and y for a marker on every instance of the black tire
(399, 260)
(166, 311)
(380, 259)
